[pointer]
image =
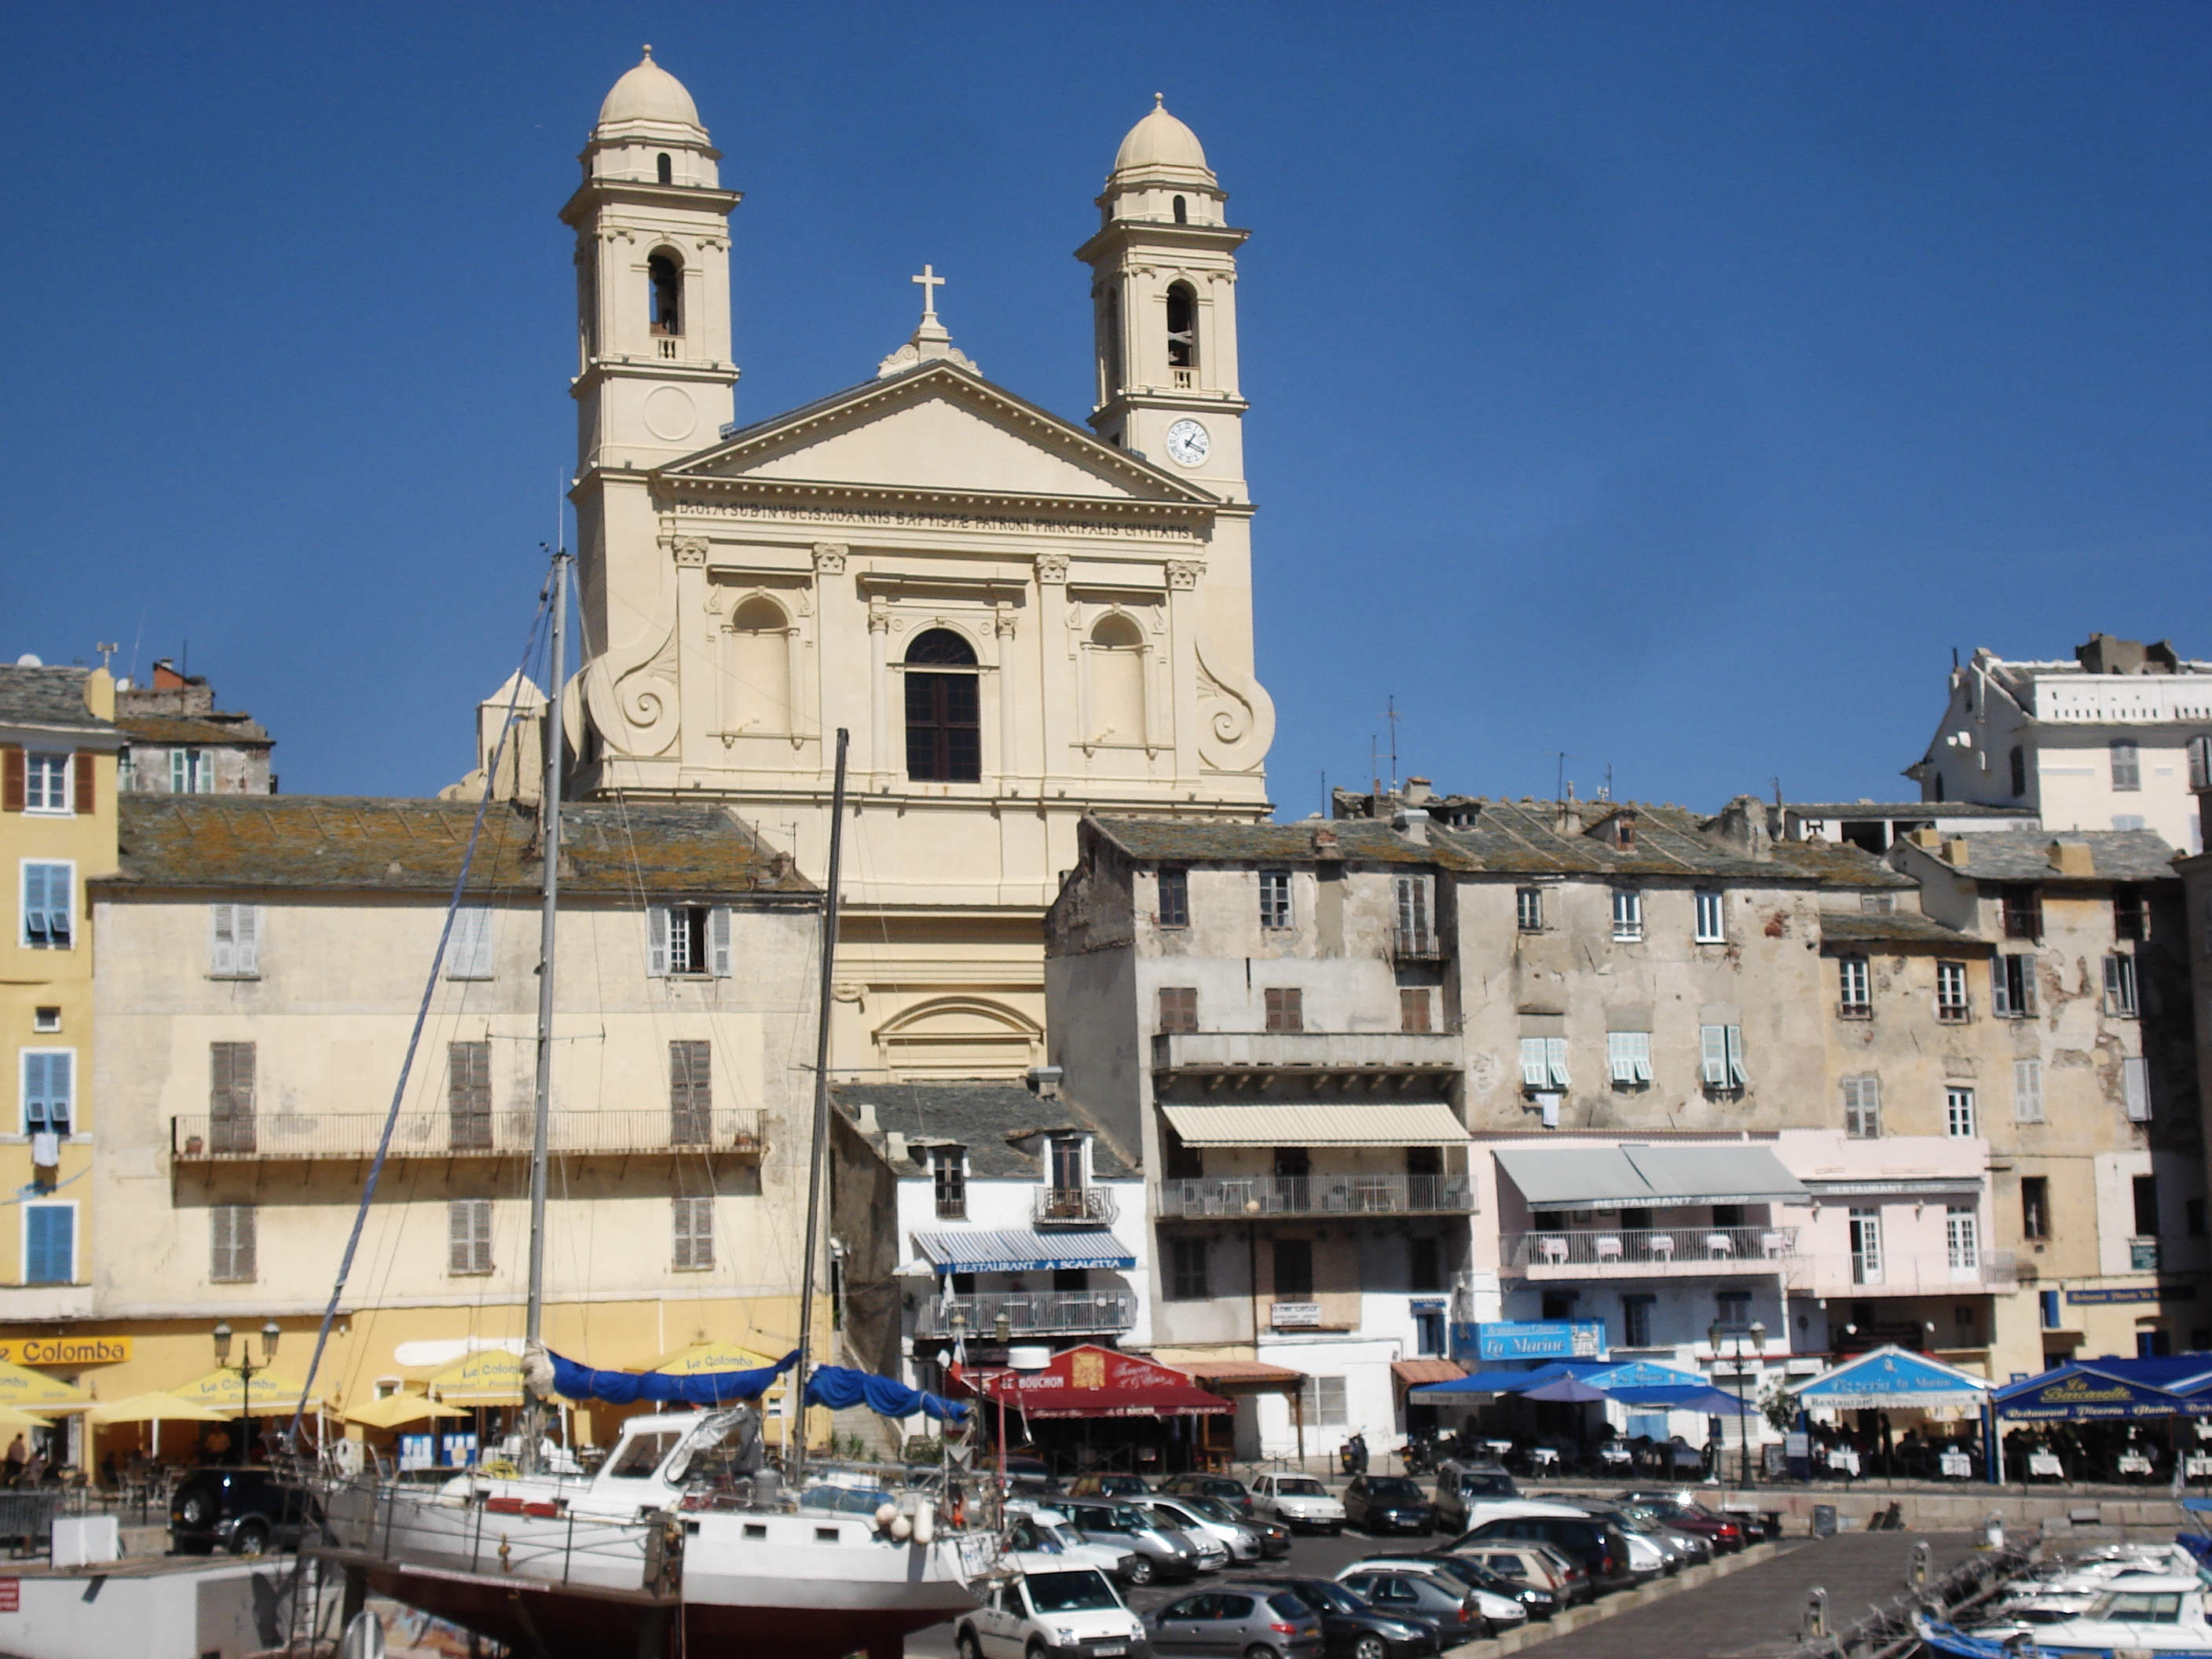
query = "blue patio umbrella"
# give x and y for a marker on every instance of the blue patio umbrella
(1566, 1390)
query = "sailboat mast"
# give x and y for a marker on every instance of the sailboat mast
(548, 842)
(796, 1463)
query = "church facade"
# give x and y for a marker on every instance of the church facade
(1016, 617)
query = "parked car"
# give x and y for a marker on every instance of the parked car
(1260, 1624)
(1050, 1607)
(1222, 1488)
(246, 1511)
(1501, 1609)
(1109, 1485)
(1726, 1533)
(1046, 1532)
(1299, 1501)
(1682, 1549)
(1517, 1561)
(1160, 1553)
(1201, 1517)
(1275, 1536)
(1403, 1593)
(1387, 1503)
(1598, 1546)
(1535, 1600)
(1461, 1481)
(1353, 1628)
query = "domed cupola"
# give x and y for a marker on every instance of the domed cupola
(1160, 172)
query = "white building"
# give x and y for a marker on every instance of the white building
(2105, 741)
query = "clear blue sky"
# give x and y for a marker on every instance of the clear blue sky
(1671, 385)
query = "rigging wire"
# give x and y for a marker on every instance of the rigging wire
(429, 992)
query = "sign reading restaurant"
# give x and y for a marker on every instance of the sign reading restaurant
(66, 1351)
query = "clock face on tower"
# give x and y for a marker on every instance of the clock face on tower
(1188, 444)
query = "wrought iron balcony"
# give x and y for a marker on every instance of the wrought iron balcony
(1368, 1053)
(1240, 1198)
(1072, 1206)
(1646, 1252)
(280, 1137)
(1029, 1312)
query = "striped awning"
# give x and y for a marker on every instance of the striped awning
(1399, 1123)
(1023, 1249)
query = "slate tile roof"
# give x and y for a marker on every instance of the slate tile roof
(326, 842)
(1902, 927)
(2024, 855)
(978, 1115)
(1930, 810)
(48, 699)
(240, 730)
(1508, 838)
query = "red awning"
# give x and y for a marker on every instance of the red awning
(1094, 1382)
(1414, 1373)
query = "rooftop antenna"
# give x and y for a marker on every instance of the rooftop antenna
(1605, 793)
(1375, 775)
(1325, 802)
(1777, 782)
(106, 652)
(1390, 713)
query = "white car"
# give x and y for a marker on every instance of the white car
(1034, 1529)
(1299, 1501)
(1050, 1605)
(1196, 1524)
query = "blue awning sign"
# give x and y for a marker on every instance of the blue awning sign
(1893, 1378)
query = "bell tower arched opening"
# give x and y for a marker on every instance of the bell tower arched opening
(665, 273)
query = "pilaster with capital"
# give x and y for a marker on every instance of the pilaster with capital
(1056, 686)
(698, 653)
(834, 664)
(1184, 623)
(879, 674)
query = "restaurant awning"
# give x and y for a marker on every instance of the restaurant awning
(1396, 1123)
(1418, 1373)
(1893, 1378)
(1021, 1249)
(1093, 1382)
(1244, 1377)
(2077, 1393)
(1463, 1389)
(1649, 1177)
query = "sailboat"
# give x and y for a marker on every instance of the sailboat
(682, 1539)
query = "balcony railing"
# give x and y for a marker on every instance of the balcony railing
(282, 1136)
(1029, 1312)
(1306, 1051)
(1935, 1273)
(1643, 1252)
(1072, 1206)
(1240, 1198)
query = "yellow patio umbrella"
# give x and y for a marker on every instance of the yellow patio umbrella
(153, 1409)
(396, 1409)
(30, 1390)
(490, 1378)
(12, 1418)
(273, 1392)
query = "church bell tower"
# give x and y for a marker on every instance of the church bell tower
(654, 378)
(1163, 296)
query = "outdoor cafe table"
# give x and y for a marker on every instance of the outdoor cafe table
(1957, 1465)
(2134, 1462)
(2045, 1463)
(1843, 1458)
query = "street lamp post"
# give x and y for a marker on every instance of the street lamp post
(1003, 1328)
(1758, 1334)
(247, 1370)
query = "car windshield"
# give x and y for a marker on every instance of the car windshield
(1393, 1486)
(1300, 1489)
(1071, 1592)
(1211, 1508)
(1128, 1518)
(1467, 1574)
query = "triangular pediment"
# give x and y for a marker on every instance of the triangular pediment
(940, 429)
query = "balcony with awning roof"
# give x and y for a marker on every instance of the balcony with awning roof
(1345, 1159)
(1636, 1210)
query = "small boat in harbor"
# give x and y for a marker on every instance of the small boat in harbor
(2134, 1617)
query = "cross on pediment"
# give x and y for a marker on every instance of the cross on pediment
(930, 282)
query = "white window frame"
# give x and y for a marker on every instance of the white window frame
(469, 952)
(44, 907)
(1952, 976)
(692, 1218)
(2123, 989)
(2028, 1091)
(2001, 1003)
(1543, 1062)
(42, 767)
(1720, 1052)
(2135, 1088)
(1628, 1056)
(480, 1220)
(1627, 914)
(223, 1254)
(1863, 1108)
(23, 1257)
(233, 941)
(1710, 917)
(2127, 766)
(1415, 898)
(1321, 1396)
(1866, 1244)
(660, 943)
(1529, 909)
(1855, 984)
(1961, 1121)
(1962, 1241)
(1278, 909)
(23, 1091)
(192, 772)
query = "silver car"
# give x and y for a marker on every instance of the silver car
(1155, 1552)
(1250, 1619)
(1201, 1519)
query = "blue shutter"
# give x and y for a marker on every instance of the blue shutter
(49, 1232)
(46, 1091)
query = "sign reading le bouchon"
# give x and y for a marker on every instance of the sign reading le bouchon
(65, 1350)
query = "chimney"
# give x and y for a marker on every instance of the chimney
(1924, 838)
(166, 677)
(2073, 858)
(1412, 823)
(1954, 851)
(1417, 791)
(1326, 842)
(894, 1147)
(1044, 1081)
(864, 1117)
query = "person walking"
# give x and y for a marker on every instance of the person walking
(18, 1455)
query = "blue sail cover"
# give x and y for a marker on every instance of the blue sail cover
(575, 1382)
(840, 1387)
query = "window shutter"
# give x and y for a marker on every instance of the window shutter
(222, 956)
(469, 954)
(81, 795)
(1618, 1059)
(1643, 1055)
(656, 941)
(1535, 1071)
(459, 1229)
(1555, 1056)
(2028, 1091)
(1713, 1053)
(12, 776)
(2135, 1078)
(718, 937)
(246, 932)
(52, 1228)
(1735, 1055)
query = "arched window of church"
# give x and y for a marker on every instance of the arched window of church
(760, 666)
(943, 710)
(666, 170)
(666, 276)
(1182, 211)
(1117, 681)
(1182, 326)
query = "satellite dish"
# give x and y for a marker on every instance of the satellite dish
(364, 1638)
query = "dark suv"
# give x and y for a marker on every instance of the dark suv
(1387, 1503)
(245, 1511)
(1597, 1547)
